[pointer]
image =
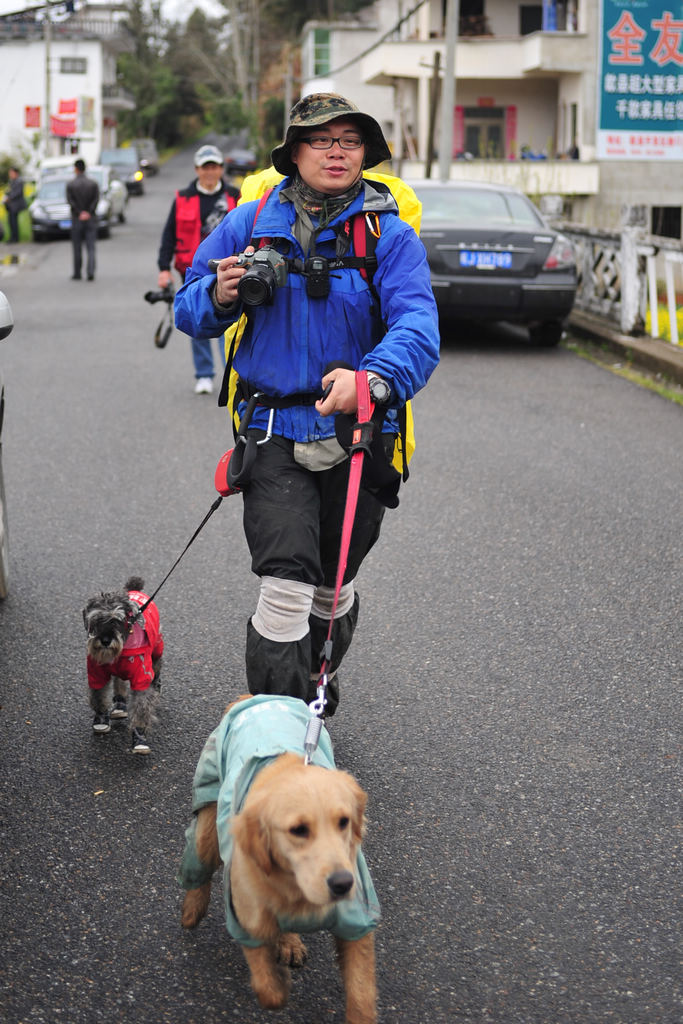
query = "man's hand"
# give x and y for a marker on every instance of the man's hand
(84, 215)
(227, 279)
(342, 397)
(164, 278)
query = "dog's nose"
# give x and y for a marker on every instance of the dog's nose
(339, 883)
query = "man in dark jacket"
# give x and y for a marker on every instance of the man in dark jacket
(195, 212)
(83, 195)
(14, 203)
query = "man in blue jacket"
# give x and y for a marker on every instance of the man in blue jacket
(318, 322)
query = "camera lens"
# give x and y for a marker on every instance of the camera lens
(257, 286)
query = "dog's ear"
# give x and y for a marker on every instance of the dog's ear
(360, 800)
(252, 836)
(86, 613)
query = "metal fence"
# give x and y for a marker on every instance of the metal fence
(630, 279)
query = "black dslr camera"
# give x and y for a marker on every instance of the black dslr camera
(163, 295)
(163, 333)
(266, 271)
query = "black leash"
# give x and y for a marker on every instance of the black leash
(183, 552)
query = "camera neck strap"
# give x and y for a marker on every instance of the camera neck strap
(362, 228)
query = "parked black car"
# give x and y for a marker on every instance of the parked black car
(148, 154)
(126, 163)
(493, 257)
(240, 162)
(51, 214)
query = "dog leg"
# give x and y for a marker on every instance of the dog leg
(201, 845)
(99, 702)
(270, 981)
(156, 665)
(142, 709)
(291, 951)
(100, 699)
(121, 687)
(141, 717)
(357, 965)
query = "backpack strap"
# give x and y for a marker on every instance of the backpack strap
(365, 231)
(225, 386)
(262, 202)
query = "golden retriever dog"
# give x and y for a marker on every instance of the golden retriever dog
(288, 835)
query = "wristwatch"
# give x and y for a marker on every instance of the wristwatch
(380, 392)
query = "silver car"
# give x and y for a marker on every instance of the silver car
(111, 188)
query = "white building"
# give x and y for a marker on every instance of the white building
(526, 98)
(58, 91)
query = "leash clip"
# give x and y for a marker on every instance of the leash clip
(314, 727)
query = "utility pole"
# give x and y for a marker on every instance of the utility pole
(47, 36)
(433, 101)
(448, 91)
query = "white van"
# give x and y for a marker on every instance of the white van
(56, 165)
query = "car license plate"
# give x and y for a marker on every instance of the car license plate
(486, 260)
(65, 225)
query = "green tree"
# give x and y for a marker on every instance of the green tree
(142, 72)
(295, 13)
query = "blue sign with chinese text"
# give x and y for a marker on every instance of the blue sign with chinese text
(640, 87)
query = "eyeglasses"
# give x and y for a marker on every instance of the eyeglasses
(328, 141)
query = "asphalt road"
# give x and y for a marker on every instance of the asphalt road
(511, 702)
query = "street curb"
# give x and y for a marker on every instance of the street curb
(651, 353)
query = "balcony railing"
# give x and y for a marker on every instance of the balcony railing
(534, 177)
(114, 96)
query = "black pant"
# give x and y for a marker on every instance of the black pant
(293, 522)
(84, 231)
(293, 518)
(13, 218)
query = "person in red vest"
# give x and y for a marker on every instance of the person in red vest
(195, 212)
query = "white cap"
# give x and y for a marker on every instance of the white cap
(208, 155)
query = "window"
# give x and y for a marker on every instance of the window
(485, 132)
(530, 18)
(73, 65)
(666, 221)
(321, 51)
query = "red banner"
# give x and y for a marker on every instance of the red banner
(31, 117)
(62, 126)
(68, 106)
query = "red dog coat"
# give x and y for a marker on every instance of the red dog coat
(144, 644)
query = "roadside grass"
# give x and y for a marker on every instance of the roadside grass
(605, 357)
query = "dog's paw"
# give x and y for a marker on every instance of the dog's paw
(270, 981)
(273, 994)
(195, 905)
(291, 951)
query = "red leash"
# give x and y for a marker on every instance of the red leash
(360, 444)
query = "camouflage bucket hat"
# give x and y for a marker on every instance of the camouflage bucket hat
(319, 108)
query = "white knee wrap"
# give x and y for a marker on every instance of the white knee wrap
(283, 609)
(323, 599)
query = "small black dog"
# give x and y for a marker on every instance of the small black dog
(124, 650)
